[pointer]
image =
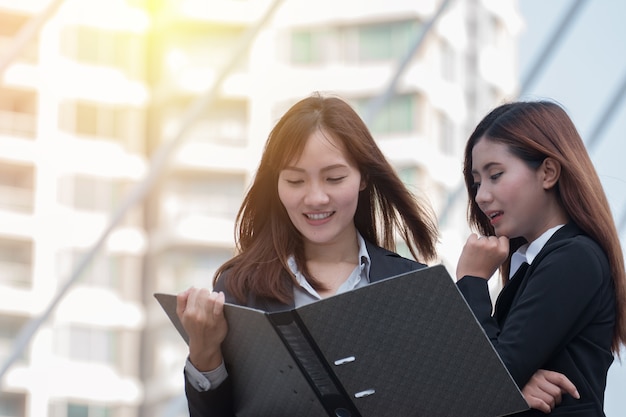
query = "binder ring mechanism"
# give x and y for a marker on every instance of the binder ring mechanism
(365, 393)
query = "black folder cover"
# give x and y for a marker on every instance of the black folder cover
(408, 345)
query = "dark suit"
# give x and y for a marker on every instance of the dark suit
(219, 402)
(556, 314)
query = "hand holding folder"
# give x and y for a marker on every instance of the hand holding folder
(405, 346)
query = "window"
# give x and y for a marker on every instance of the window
(18, 112)
(309, 46)
(17, 176)
(90, 344)
(98, 195)
(16, 258)
(199, 46)
(116, 272)
(17, 187)
(10, 25)
(10, 327)
(302, 47)
(104, 48)
(398, 115)
(205, 195)
(387, 40)
(12, 405)
(87, 120)
(91, 193)
(71, 409)
(105, 270)
(102, 121)
(407, 175)
(413, 177)
(81, 410)
(367, 43)
(225, 123)
(181, 269)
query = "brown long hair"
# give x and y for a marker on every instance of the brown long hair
(265, 236)
(534, 131)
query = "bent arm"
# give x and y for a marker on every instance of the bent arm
(549, 305)
(201, 313)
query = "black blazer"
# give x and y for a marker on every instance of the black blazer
(219, 402)
(558, 314)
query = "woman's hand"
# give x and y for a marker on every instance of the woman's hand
(482, 256)
(201, 313)
(545, 389)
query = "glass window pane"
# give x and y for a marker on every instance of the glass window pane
(77, 410)
(12, 405)
(387, 40)
(92, 345)
(375, 42)
(87, 45)
(398, 115)
(301, 48)
(86, 119)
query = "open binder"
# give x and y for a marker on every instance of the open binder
(408, 345)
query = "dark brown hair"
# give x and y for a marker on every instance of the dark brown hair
(265, 236)
(534, 131)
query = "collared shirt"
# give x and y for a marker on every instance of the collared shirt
(302, 294)
(306, 294)
(528, 252)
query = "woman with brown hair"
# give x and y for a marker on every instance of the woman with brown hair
(543, 219)
(320, 218)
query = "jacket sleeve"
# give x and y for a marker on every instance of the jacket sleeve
(212, 403)
(216, 402)
(475, 290)
(561, 293)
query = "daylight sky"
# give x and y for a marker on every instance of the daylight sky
(584, 74)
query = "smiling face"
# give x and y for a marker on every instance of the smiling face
(515, 197)
(320, 192)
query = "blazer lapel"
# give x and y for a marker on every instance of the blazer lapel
(385, 264)
(505, 300)
(510, 290)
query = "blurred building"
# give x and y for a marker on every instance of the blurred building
(107, 82)
(72, 143)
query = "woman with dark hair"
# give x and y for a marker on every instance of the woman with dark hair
(543, 219)
(320, 218)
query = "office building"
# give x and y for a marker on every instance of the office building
(105, 85)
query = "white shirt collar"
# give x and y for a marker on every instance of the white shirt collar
(360, 276)
(529, 251)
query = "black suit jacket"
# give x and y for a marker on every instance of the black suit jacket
(219, 402)
(556, 314)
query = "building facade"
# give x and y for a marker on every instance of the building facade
(90, 103)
